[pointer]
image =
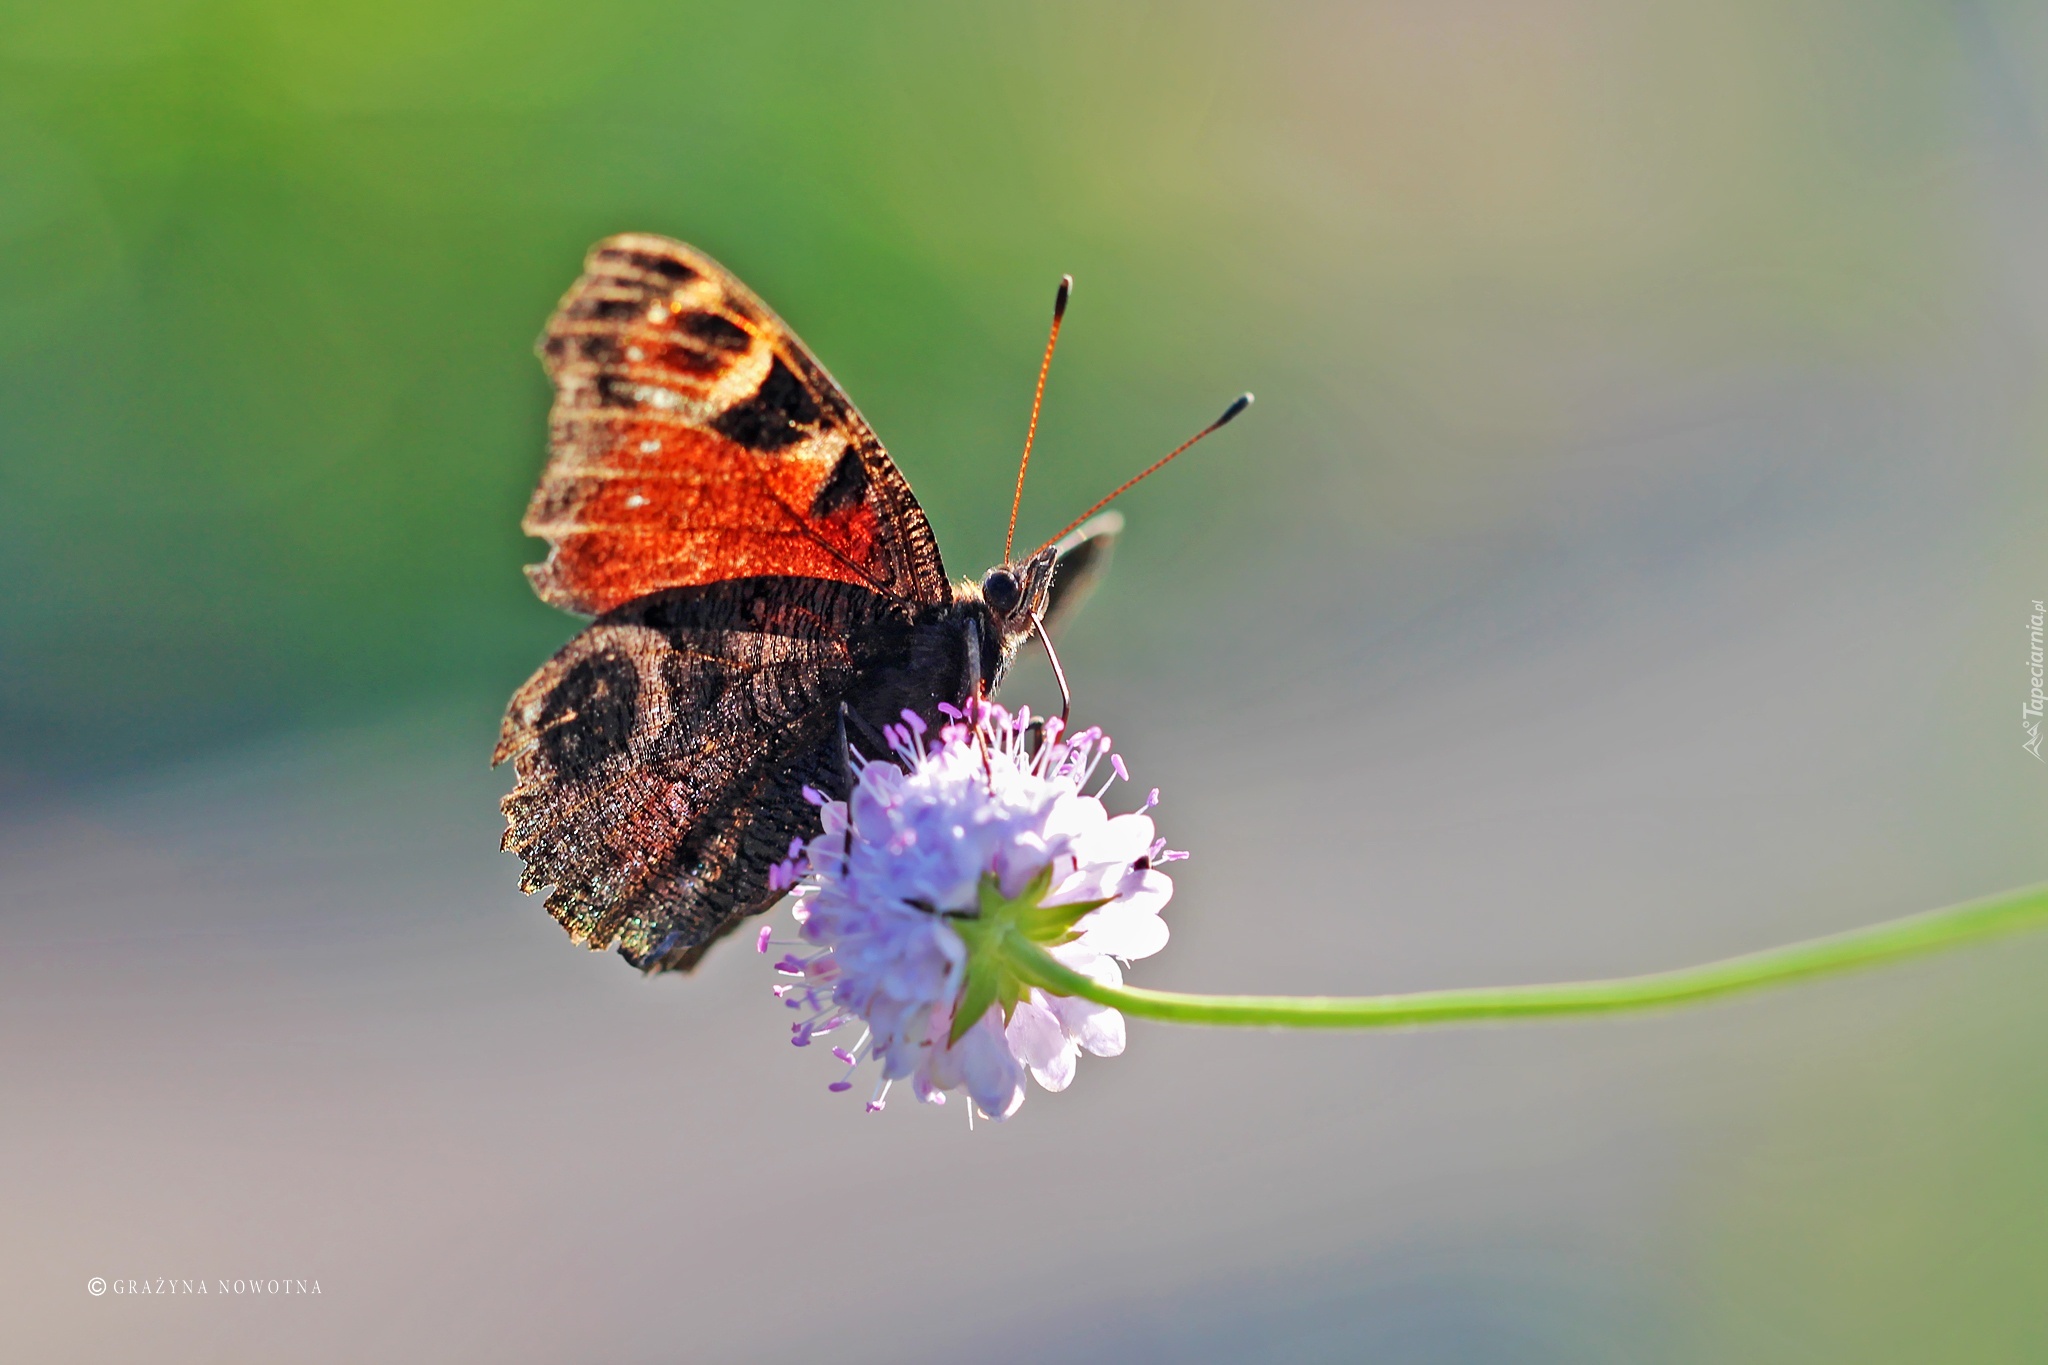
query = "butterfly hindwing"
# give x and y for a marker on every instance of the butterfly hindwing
(694, 439)
(663, 753)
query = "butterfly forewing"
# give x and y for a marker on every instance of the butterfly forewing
(694, 439)
(1084, 554)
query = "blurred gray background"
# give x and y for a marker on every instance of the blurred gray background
(1627, 563)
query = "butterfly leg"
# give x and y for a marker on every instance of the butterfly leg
(876, 743)
(842, 749)
(971, 675)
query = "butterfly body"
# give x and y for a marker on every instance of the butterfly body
(765, 590)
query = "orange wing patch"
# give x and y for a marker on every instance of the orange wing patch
(695, 440)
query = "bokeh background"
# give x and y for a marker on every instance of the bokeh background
(1627, 563)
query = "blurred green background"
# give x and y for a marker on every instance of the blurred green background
(1637, 521)
(271, 274)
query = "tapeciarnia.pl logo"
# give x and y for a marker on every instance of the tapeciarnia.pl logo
(2030, 714)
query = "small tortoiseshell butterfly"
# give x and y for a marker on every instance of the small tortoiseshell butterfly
(765, 585)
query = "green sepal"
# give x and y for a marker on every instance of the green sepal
(975, 997)
(999, 927)
(1055, 923)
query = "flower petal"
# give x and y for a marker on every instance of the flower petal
(1121, 932)
(1034, 1034)
(993, 1075)
(1122, 840)
(1075, 817)
(1059, 1074)
(1147, 890)
(1040, 1042)
(1097, 1029)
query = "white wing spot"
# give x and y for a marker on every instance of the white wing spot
(655, 397)
(649, 447)
(635, 353)
(657, 314)
(636, 500)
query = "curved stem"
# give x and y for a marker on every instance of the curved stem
(1931, 931)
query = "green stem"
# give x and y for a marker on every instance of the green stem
(2006, 913)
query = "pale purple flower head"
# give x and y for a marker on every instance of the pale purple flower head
(878, 889)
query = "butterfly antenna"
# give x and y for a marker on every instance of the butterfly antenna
(1243, 401)
(1059, 313)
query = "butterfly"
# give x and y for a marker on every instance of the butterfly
(765, 588)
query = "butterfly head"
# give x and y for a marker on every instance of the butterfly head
(1016, 594)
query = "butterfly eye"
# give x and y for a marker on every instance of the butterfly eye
(999, 589)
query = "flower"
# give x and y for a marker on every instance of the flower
(939, 859)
